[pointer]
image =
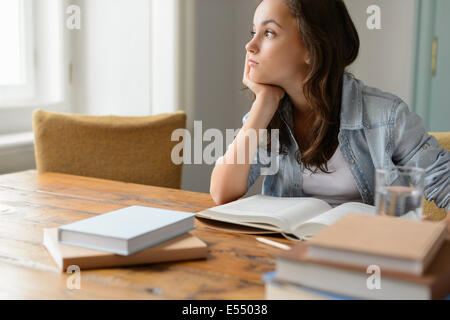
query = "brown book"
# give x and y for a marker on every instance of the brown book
(296, 266)
(184, 247)
(391, 243)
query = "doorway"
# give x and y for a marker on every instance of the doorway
(432, 75)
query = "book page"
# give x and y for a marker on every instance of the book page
(282, 212)
(311, 227)
(333, 215)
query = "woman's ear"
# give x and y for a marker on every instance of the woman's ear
(308, 59)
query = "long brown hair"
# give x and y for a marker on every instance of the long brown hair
(332, 41)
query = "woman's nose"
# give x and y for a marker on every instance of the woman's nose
(251, 46)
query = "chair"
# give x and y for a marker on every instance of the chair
(429, 208)
(129, 149)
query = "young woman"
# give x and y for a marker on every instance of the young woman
(333, 130)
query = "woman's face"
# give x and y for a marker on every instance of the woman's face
(276, 46)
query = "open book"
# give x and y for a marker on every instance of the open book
(295, 218)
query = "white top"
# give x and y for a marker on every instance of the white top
(335, 188)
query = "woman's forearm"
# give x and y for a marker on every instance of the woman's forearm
(230, 176)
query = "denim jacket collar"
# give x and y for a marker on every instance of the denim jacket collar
(352, 104)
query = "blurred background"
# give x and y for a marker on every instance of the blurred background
(146, 57)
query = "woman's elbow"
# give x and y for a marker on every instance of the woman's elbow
(223, 196)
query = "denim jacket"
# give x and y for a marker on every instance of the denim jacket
(376, 130)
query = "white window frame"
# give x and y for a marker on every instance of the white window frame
(165, 56)
(50, 89)
(10, 94)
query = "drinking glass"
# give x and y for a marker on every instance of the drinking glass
(399, 192)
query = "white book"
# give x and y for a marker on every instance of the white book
(296, 218)
(128, 230)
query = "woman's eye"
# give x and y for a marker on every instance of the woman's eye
(269, 34)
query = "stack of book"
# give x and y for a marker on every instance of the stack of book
(366, 257)
(129, 236)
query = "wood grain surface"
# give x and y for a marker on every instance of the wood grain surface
(30, 202)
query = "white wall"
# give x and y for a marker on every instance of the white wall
(166, 50)
(386, 56)
(111, 58)
(214, 72)
(125, 57)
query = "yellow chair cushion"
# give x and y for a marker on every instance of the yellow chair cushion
(130, 149)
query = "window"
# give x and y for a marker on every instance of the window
(16, 51)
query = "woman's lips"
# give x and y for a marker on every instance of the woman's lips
(252, 63)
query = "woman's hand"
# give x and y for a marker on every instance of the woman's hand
(259, 89)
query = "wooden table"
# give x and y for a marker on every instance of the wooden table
(30, 202)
